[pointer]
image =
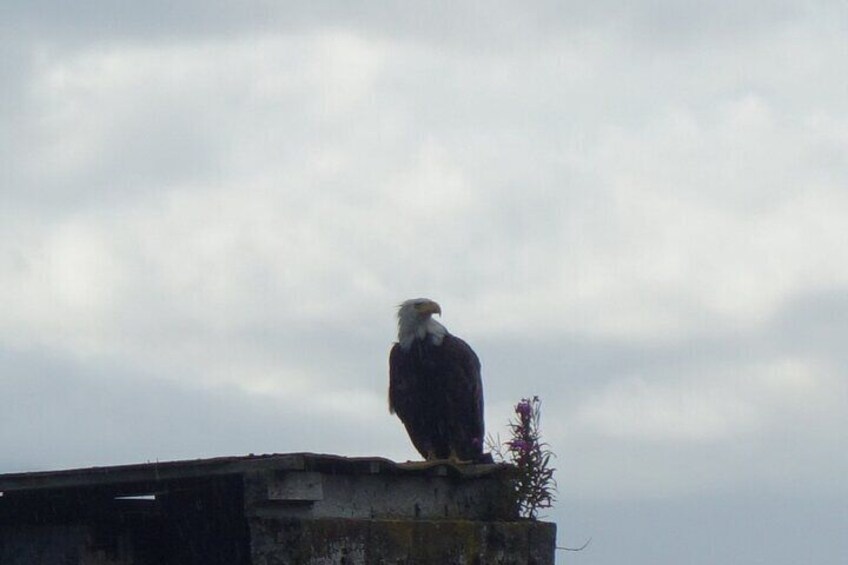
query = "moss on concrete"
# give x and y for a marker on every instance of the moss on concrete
(401, 542)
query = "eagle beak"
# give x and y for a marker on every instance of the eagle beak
(429, 308)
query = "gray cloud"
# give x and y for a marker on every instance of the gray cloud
(813, 323)
(67, 413)
(727, 528)
(451, 22)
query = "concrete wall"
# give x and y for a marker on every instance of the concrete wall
(401, 542)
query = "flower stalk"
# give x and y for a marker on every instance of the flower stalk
(534, 487)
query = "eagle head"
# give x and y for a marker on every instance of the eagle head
(415, 321)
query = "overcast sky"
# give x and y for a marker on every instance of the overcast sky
(636, 210)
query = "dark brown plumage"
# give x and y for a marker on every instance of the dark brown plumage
(435, 386)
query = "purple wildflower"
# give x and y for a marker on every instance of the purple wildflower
(524, 409)
(534, 486)
(519, 445)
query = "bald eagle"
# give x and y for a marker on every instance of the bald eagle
(435, 386)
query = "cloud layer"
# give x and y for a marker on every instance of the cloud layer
(636, 212)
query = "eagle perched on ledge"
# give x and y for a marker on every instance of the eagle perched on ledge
(435, 386)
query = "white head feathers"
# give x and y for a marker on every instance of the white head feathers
(415, 321)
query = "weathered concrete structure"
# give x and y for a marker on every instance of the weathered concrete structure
(268, 510)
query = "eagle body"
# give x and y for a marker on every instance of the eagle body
(435, 386)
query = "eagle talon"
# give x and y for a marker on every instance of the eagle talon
(454, 459)
(418, 465)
